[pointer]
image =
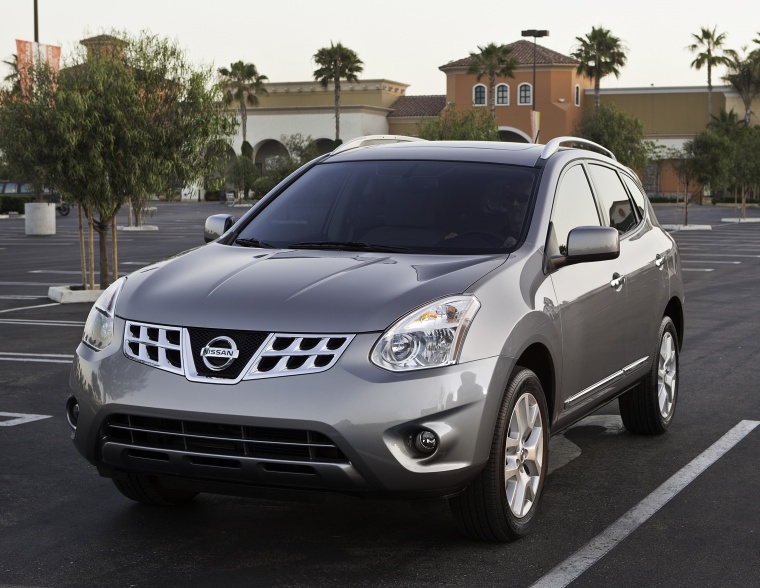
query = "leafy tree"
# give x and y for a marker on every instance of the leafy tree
(30, 152)
(747, 164)
(744, 76)
(242, 83)
(600, 54)
(242, 173)
(337, 62)
(119, 124)
(619, 132)
(492, 61)
(708, 45)
(460, 125)
(712, 158)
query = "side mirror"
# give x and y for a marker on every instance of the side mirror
(586, 244)
(217, 225)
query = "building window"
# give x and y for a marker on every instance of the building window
(525, 94)
(577, 95)
(479, 95)
(502, 95)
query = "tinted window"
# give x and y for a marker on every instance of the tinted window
(616, 205)
(638, 196)
(573, 205)
(429, 206)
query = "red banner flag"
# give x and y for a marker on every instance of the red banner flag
(29, 54)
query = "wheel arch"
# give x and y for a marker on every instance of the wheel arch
(538, 359)
(674, 310)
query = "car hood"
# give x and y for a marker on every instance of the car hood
(219, 286)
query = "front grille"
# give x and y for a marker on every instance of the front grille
(218, 439)
(155, 345)
(259, 354)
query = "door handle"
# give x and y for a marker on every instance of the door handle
(617, 282)
(659, 260)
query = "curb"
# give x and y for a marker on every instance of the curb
(65, 295)
(740, 220)
(140, 228)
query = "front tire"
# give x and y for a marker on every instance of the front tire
(502, 502)
(148, 490)
(648, 409)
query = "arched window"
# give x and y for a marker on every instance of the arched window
(502, 95)
(577, 95)
(479, 95)
(525, 94)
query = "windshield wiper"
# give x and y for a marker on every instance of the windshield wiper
(347, 246)
(253, 243)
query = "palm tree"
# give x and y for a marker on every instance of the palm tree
(744, 77)
(711, 53)
(242, 82)
(13, 78)
(726, 123)
(337, 62)
(600, 54)
(493, 60)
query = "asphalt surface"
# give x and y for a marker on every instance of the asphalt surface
(63, 525)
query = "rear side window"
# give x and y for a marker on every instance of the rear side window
(616, 206)
(638, 196)
(573, 205)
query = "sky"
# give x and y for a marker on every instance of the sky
(399, 41)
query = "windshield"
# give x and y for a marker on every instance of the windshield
(416, 206)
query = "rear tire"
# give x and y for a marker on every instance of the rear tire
(648, 409)
(502, 502)
(148, 490)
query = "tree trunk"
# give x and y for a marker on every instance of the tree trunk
(337, 110)
(102, 230)
(492, 94)
(82, 256)
(709, 92)
(597, 84)
(244, 120)
(686, 203)
(744, 201)
(91, 247)
(114, 254)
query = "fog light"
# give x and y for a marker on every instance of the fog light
(426, 442)
(72, 412)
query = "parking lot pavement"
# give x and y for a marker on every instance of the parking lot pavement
(62, 525)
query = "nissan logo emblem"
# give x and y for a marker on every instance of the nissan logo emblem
(219, 353)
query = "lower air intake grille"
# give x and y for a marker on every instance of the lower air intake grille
(221, 439)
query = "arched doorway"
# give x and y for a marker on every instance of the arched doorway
(267, 150)
(513, 135)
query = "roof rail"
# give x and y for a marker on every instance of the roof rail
(553, 145)
(369, 140)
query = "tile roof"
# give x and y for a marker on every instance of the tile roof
(431, 105)
(522, 52)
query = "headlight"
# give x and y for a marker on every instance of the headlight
(428, 337)
(98, 330)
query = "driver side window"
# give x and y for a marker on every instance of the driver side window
(574, 205)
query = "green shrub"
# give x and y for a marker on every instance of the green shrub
(14, 203)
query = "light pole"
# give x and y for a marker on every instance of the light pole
(534, 33)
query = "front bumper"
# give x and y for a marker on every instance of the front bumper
(365, 412)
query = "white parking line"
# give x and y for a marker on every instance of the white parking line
(711, 261)
(27, 307)
(20, 297)
(36, 357)
(570, 569)
(55, 271)
(688, 269)
(42, 323)
(20, 419)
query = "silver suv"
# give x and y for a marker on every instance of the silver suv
(398, 318)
